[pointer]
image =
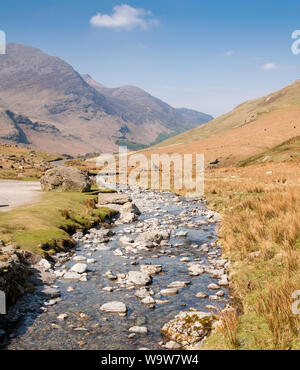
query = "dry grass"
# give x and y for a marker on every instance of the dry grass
(229, 326)
(275, 304)
(260, 234)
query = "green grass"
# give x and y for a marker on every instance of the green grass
(131, 145)
(287, 150)
(44, 227)
(253, 334)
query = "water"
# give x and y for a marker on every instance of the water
(98, 330)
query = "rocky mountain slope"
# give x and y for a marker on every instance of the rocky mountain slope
(137, 106)
(45, 103)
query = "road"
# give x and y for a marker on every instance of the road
(14, 193)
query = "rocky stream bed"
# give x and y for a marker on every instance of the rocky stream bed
(145, 281)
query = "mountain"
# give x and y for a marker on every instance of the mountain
(45, 103)
(137, 106)
(251, 128)
(280, 101)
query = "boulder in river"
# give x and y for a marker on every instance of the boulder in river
(169, 291)
(131, 208)
(139, 278)
(80, 268)
(151, 269)
(188, 327)
(178, 284)
(138, 329)
(72, 275)
(66, 179)
(113, 198)
(114, 307)
(151, 238)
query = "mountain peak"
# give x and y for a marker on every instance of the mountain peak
(58, 109)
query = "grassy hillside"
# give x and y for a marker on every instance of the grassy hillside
(250, 111)
(23, 163)
(285, 151)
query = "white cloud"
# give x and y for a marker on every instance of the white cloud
(269, 67)
(124, 17)
(228, 53)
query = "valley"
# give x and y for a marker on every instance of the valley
(154, 266)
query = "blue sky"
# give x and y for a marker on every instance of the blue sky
(206, 55)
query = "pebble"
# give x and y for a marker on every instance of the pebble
(169, 291)
(62, 317)
(201, 295)
(213, 286)
(172, 345)
(139, 329)
(114, 307)
(179, 284)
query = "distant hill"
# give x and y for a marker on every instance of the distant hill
(246, 113)
(251, 128)
(44, 102)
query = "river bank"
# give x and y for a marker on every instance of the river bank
(165, 262)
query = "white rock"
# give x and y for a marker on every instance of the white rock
(108, 289)
(118, 252)
(182, 233)
(213, 286)
(172, 345)
(142, 293)
(44, 264)
(80, 268)
(148, 300)
(59, 273)
(151, 269)
(169, 291)
(139, 329)
(201, 295)
(139, 278)
(179, 284)
(71, 275)
(223, 282)
(184, 259)
(79, 258)
(114, 307)
(91, 260)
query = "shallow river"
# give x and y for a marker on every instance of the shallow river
(86, 327)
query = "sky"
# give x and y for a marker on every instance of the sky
(206, 55)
